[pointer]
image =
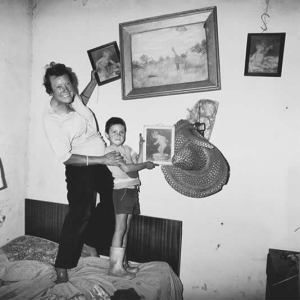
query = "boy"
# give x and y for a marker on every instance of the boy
(125, 194)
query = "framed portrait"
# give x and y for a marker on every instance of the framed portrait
(170, 54)
(264, 54)
(106, 60)
(159, 144)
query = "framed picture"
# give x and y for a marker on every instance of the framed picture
(170, 54)
(264, 54)
(159, 144)
(106, 60)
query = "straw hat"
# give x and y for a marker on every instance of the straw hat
(198, 168)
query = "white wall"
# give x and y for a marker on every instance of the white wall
(257, 130)
(15, 61)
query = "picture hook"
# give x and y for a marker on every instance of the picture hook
(263, 18)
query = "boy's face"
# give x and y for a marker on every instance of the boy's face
(116, 134)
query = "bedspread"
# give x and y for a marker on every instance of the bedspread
(32, 279)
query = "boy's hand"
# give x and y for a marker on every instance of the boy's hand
(150, 165)
(141, 142)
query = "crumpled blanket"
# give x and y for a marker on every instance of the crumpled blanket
(30, 279)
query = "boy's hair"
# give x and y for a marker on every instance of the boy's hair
(55, 69)
(114, 121)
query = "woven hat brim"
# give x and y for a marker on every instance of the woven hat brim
(198, 183)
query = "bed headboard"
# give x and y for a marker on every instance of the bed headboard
(150, 238)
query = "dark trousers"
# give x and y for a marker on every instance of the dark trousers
(85, 223)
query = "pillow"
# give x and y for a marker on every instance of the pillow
(31, 248)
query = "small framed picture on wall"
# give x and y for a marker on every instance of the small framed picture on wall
(106, 60)
(159, 144)
(264, 54)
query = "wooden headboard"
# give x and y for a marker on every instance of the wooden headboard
(150, 239)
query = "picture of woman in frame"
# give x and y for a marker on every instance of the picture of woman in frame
(106, 67)
(105, 60)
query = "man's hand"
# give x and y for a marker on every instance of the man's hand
(93, 76)
(113, 159)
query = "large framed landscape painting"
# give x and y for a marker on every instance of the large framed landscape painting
(170, 54)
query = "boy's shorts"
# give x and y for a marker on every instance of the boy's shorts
(126, 201)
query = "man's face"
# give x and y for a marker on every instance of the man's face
(62, 87)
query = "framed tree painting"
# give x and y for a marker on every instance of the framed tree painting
(170, 54)
(106, 60)
(159, 144)
(264, 54)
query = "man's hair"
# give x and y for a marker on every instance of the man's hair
(114, 121)
(55, 69)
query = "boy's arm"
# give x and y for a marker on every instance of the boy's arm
(140, 155)
(127, 168)
(137, 160)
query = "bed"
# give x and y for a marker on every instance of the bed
(27, 271)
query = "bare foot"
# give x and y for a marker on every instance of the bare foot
(129, 268)
(62, 275)
(120, 272)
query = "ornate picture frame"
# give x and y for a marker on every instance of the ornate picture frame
(170, 54)
(159, 144)
(106, 60)
(264, 54)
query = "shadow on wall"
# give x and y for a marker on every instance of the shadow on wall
(3, 184)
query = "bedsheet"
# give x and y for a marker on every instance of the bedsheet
(33, 279)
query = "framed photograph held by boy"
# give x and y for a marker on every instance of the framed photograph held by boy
(159, 144)
(170, 54)
(264, 54)
(106, 60)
